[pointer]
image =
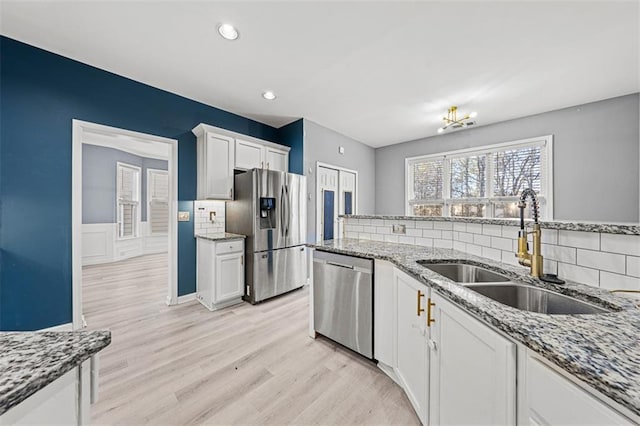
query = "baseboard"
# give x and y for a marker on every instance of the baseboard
(186, 298)
(62, 327)
(388, 370)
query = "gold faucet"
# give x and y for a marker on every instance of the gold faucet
(533, 260)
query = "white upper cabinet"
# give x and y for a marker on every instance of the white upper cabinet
(251, 155)
(221, 151)
(473, 370)
(216, 159)
(277, 159)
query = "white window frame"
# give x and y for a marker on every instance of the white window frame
(138, 215)
(546, 199)
(149, 173)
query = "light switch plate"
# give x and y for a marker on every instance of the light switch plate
(183, 217)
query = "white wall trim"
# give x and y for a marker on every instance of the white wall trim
(186, 298)
(78, 137)
(318, 198)
(201, 128)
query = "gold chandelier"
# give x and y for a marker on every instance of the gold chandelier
(452, 120)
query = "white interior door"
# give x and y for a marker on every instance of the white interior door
(328, 203)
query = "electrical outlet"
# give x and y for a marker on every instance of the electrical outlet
(212, 216)
(399, 229)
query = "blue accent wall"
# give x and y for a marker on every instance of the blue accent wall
(99, 165)
(41, 93)
(292, 135)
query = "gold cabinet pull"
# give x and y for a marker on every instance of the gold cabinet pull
(420, 309)
(429, 310)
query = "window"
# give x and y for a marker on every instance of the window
(483, 182)
(128, 200)
(158, 201)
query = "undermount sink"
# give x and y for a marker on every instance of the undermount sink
(534, 299)
(464, 273)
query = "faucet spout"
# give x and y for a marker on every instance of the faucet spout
(533, 260)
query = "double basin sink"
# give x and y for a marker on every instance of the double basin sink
(516, 295)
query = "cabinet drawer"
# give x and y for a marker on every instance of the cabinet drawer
(229, 246)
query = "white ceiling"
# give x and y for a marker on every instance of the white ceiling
(379, 72)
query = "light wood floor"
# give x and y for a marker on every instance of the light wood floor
(241, 365)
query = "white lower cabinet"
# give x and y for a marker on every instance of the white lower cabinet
(546, 387)
(457, 370)
(65, 401)
(220, 273)
(412, 363)
(473, 370)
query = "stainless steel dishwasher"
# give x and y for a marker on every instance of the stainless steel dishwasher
(343, 300)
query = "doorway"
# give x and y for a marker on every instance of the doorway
(124, 197)
(336, 194)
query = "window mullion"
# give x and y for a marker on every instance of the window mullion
(490, 176)
(446, 186)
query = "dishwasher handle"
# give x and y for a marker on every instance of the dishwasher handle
(341, 265)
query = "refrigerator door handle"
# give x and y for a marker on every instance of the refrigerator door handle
(288, 215)
(282, 197)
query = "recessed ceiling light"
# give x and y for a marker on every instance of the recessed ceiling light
(228, 31)
(269, 95)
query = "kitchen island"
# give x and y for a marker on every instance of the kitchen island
(45, 376)
(601, 352)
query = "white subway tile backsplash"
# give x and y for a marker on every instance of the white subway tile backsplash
(510, 258)
(579, 239)
(408, 223)
(633, 266)
(202, 224)
(608, 260)
(550, 266)
(423, 224)
(466, 237)
(482, 240)
(494, 230)
(559, 253)
(426, 242)
(414, 232)
(383, 230)
(431, 233)
(462, 227)
(459, 245)
(579, 274)
(502, 243)
(492, 253)
(510, 231)
(625, 244)
(618, 282)
(447, 226)
(474, 249)
(475, 228)
(406, 240)
(443, 243)
(549, 236)
(391, 238)
(602, 260)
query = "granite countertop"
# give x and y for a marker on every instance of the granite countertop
(601, 350)
(607, 228)
(221, 236)
(31, 360)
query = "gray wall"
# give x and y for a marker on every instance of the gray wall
(99, 181)
(596, 158)
(321, 144)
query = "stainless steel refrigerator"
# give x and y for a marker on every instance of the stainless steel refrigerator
(270, 209)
